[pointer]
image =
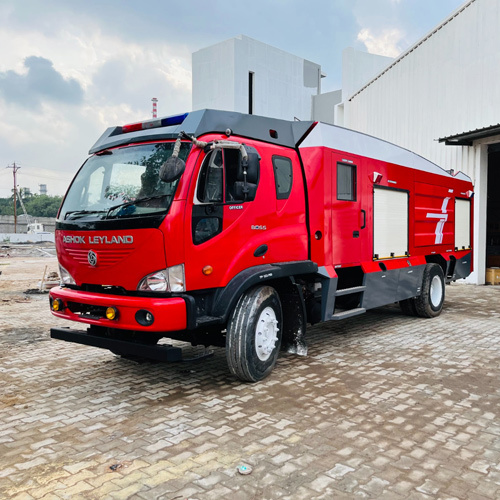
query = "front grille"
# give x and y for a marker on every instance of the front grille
(104, 289)
(87, 310)
(105, 258)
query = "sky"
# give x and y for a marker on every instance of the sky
(69, 69)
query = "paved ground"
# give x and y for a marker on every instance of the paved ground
(384, 406)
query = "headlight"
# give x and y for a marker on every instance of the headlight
(166, 280)
(66, 278)
(154, 282)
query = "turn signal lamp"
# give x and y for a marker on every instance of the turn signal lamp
(57, 305)
(207, 270)
(111, 313)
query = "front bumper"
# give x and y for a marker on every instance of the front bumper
(161, 352)
(170, 314)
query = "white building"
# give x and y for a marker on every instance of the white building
(248, 76)
(441, 99)
(358, 67)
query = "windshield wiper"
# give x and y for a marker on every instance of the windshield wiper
(135, 202)
(78, 213)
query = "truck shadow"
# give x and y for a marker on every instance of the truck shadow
(213, 373)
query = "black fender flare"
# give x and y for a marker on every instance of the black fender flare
(226, 298)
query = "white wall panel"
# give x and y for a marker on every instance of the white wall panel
(284, 84)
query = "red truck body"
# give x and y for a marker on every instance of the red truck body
(268, 222)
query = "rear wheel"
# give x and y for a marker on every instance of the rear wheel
(254, 334)
(430, 302)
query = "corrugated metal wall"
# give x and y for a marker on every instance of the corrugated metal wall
(447, 84)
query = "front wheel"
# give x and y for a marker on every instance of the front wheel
(254, 334)
(430, 302)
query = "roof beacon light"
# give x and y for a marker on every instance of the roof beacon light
(161, 122)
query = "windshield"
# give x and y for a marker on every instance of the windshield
(122, 182)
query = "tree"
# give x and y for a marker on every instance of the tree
(6, 206)
(43, 205)
(36, 205)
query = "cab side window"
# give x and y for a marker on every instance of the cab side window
(241, 187)
(211, 181)
(232, 159)
(221, 181)
(283, 176)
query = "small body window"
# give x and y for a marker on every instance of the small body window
(283, 176)
(346, 182)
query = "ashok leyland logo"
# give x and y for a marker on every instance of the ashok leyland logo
(92, 258)
(443, 217)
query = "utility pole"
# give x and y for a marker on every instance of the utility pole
(14, 168)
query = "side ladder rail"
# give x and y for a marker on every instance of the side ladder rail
(329, 293)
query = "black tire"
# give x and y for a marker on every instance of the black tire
(430, 301)
(408, 307)
(257, 315)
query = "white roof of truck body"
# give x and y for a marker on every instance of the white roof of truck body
(357, 143)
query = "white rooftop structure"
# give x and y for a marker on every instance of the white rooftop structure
(245, 75)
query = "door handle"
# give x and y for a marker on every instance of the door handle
(364, 219)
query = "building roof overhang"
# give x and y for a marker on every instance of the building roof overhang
(467, 138)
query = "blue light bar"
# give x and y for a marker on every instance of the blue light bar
(173, 120)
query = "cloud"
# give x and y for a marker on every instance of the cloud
(57, 101)
(71, 69)
(142, 74)
(39, 83)
(387, 43)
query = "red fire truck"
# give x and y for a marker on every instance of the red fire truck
(224, 229)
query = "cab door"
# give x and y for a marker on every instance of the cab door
(221, 197)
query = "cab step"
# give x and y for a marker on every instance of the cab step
(348, 313)
(349, 291)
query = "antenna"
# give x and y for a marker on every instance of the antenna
(155, 110)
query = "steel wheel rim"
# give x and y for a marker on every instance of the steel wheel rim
(266, 334)
(436, 291)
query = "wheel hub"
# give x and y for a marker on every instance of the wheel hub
(266, 334)
(436, 291)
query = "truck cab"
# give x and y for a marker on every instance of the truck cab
(142, 257)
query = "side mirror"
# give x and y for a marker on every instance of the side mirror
(172, 169)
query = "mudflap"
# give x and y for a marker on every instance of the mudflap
(294, 319)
